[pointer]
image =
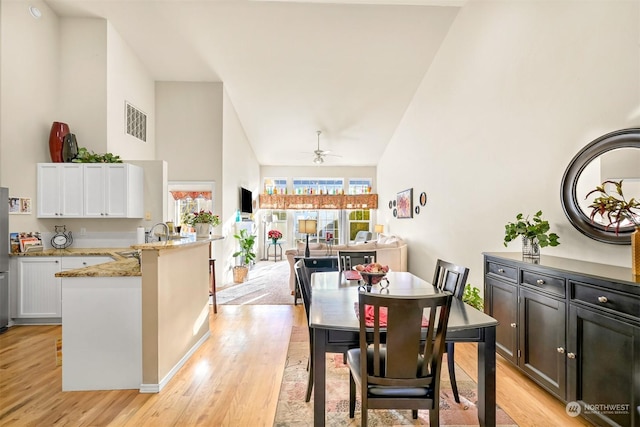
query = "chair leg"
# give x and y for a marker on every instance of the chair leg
(310, 368)
(414, 413)
(452, 372)
(352, 396)
(434, 415)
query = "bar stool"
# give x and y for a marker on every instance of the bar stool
(212, 268)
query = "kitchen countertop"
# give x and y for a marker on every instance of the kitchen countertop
(120, 266)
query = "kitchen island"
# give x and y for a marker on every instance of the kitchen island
(127, 325)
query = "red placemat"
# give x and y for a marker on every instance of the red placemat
(352, 275)
(369, 316)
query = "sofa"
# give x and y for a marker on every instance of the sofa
(390, 250)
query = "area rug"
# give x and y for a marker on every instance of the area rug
(292, 410)
(267, 284)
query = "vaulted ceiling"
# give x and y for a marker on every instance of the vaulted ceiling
(349, 69)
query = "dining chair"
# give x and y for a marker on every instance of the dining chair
(347, 259)
(452, 278)
(304, 268)
(401, 370)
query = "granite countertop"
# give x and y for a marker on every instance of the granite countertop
(124, 267)
(175, 244)
(112, 252)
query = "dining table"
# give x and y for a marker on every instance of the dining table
(335, 329)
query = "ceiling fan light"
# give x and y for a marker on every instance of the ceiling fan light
(318, 160)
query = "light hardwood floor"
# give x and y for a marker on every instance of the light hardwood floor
(232, 380)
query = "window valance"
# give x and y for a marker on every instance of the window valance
(318, 201)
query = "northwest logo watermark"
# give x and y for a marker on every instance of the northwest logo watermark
(574, 409)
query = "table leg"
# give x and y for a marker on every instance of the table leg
(487, 378)
(319, 367)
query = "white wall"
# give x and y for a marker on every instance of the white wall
(516, 90)
(240, 168)
(128, 80)
(83, 81)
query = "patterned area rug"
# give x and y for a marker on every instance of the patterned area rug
(267, 284)
(292, 410)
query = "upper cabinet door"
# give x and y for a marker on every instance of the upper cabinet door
(116, 179)
(94, 189)
(60, 192)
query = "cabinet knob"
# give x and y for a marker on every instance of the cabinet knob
(56, 214)
(57, 261)
(602, 299)
(540, 282)
(560, 350)
(513, 325)
(571, 355)
(501, 270)
(84, 263)
(101, 214)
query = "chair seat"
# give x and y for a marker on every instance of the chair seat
(353, 359)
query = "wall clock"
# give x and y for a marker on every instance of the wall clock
(62, 239)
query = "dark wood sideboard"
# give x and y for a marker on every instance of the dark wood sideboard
(571, 326)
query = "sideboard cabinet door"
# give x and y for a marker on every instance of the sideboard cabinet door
(603, 366)
(502, 304)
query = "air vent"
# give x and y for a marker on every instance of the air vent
(136, 122)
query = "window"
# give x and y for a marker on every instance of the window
(359, 186)
(275, 186)
(318, 185)
(358, 220)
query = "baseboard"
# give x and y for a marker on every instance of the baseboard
(156, 388)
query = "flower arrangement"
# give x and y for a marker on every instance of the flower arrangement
(614, 209)
(274, 234)
(202, 217)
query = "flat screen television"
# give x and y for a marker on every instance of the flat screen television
(246, 201)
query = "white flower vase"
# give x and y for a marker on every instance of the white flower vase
(202, 230)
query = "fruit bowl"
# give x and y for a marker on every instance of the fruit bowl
(373, 273)
(372, 278)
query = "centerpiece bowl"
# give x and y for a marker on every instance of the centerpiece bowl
(373, 273)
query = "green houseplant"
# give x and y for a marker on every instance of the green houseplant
(245, 253)
(535, 234)
(613, 207)
(472, 297)
(87, 156)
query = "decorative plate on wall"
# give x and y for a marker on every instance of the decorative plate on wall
(423, 199)
(395, 212)
(390, 204)
(417, 209)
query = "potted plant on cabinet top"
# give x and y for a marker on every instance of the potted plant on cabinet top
(245, 253)
(535, 234)
(617, 211)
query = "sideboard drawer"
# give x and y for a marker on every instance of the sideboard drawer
(603, 298)
(505, 272)
(544, 282)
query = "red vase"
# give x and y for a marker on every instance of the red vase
(56, 139)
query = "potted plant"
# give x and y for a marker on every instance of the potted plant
(614, 208)
(617, 211)
(274, 235)
(472, 297)
(202, 221)
(535, 234)
(245, 253)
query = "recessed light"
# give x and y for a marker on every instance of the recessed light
(35, 12)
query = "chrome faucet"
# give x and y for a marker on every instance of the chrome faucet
(150, 233)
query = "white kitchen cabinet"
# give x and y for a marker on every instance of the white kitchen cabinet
(90, 190)
(60, 190)
(38, 290)
(113, 190)
(35, 291)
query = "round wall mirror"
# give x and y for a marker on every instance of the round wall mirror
(613, 156)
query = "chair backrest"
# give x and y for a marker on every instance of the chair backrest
(362, 236)
(308, 266)
(400, 354)
(347, 259)
(450, 277)
(304, 293)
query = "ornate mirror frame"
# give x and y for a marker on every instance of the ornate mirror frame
(624, 138)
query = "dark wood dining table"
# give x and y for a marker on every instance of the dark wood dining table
(336, 328)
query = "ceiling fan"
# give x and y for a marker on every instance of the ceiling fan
(320, 154)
